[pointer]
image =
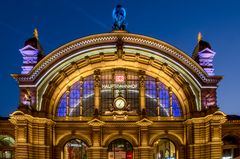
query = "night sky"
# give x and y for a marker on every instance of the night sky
(175, 22)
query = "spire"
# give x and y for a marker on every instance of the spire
(203, 55)
(35, 33)
(32, 52)
(199, 38)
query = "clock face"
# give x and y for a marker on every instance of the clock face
(120, 103)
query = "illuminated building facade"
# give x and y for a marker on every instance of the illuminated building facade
(118, 95)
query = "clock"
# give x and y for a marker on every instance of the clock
(120, 103)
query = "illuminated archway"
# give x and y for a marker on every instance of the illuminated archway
(231, 148)
(79, 98)
(79, 57)
(75, 149)
(120, 148)
(7, 147)
(164, 149)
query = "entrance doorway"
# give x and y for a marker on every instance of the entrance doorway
(120, 149)
(6, 147)
(75, 149)
(164, 149)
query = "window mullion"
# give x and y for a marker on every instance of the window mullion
(170, 101)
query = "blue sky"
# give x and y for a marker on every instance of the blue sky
(175, 22)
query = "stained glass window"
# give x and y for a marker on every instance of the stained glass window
(88, 96)
(164, 100)
(62, 106)
(157, 97)
(151, 96)
(75, 97)
(160, 100)
(176, 106)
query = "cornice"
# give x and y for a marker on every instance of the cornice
(218, 117)
(112, 38)
(17, 116)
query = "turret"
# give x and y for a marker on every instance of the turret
(203, 55)
(32, 53)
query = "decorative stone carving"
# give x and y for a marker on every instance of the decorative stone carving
(96, 122)
(206, 60)
(144, 122)
(27, 100)
(30, 58)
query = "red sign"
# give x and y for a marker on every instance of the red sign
(129, 155)
(119, 78)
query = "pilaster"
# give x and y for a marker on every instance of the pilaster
(204, 138)
(33, 136)
(95, 151)
(144, 150)
(96, 89)
(142, 90)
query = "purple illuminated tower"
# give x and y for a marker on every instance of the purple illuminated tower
(32, 53)
(203, 55)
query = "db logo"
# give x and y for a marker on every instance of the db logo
(119, 78)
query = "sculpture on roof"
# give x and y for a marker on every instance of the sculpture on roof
(119, 16)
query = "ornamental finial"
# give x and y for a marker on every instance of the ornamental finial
(35, 33)
(199, 36)
(119, 16)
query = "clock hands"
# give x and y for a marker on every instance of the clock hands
(121, 103)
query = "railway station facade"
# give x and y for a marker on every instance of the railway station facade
(118, 95)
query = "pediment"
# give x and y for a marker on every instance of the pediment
(144, 122)
(96, 122)
(28, 50)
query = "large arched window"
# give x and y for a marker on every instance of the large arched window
(164, 149)
(160, 100)
(75, 149)
(78, 99)
(6, 147)
(117, 83)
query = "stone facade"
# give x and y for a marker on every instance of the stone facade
(40, 132)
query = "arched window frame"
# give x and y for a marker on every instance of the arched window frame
(78, 100)
(160, 100)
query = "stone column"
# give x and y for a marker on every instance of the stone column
(21, 135)
(158, 98)
(170, 101)
(96, 89)
(142, 90)
(144, 150)
(68, 102)
(81, 97)
(96, 150)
